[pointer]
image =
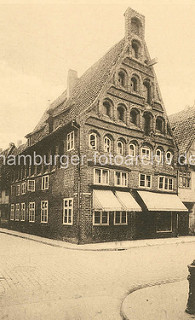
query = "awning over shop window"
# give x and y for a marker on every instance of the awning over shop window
(162, 202)
(127, 201)
(106, 200)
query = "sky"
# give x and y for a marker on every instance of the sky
(41, 40)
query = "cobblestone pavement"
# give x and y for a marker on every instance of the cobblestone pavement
(38, 281)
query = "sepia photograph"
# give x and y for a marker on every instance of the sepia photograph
(97, 160)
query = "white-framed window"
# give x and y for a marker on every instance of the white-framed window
(12, 212)
(45, 183)
(101, 176)
(165, 183)
(107, 144)
(120, 217)
(18, 189)
(145, 153)
(23, 211)
(68, 211)
(132, 150)
(17, 215)
(121, 178)
(31, 211)
(164, 222)
(185, 180)
(158, 155)
(93, 141)
(145, 180)
(70, 141)
(100, 218)
(120, 148)
(23, 188)
(169, 157)
(31, 185)
(44, 211)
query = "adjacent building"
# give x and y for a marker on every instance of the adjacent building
(111, 118)
(183, 127)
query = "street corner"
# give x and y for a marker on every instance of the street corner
(164, 302)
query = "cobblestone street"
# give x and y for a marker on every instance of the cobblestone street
(38, 281)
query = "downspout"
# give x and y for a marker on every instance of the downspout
(77, 126)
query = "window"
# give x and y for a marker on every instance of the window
(145, 153)
(165, 183)
(17, 216)
(93, 141)
(120, 148)
(147, 92)
(12, 212)
(70, 141)
(13, 190)
(120, 217)
(101, 218)
(121, 179)
(18, 190)
(121, 113)
(134, 117)
(101, 176)
(132, 150)
(68, 211)
(135, 26)
(23, 211)
(135, 49)
(23, 188)
(31, 185)
(134, 84)
(169, 157)
(45, 183)
(107, 144)
(107, 108)
(163, 221)
(31, 211)
(122, 78)
(44, 211)
(160, 124)
(185, 180)
(158, 155)
(145, 180)
(147, 123)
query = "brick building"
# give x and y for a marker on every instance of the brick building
(114, 109)
(183, 127)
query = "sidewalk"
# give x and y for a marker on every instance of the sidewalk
(105, 246)
(162, 302)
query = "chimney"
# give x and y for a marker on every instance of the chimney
(134, 24)
(71, 81)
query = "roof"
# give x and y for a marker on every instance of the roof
(88, 86)
(183, 126)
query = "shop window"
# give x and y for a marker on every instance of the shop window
(163, 221)
(120, 218)
(100, 218)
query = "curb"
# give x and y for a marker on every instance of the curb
(133, 244)
(140, 287)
